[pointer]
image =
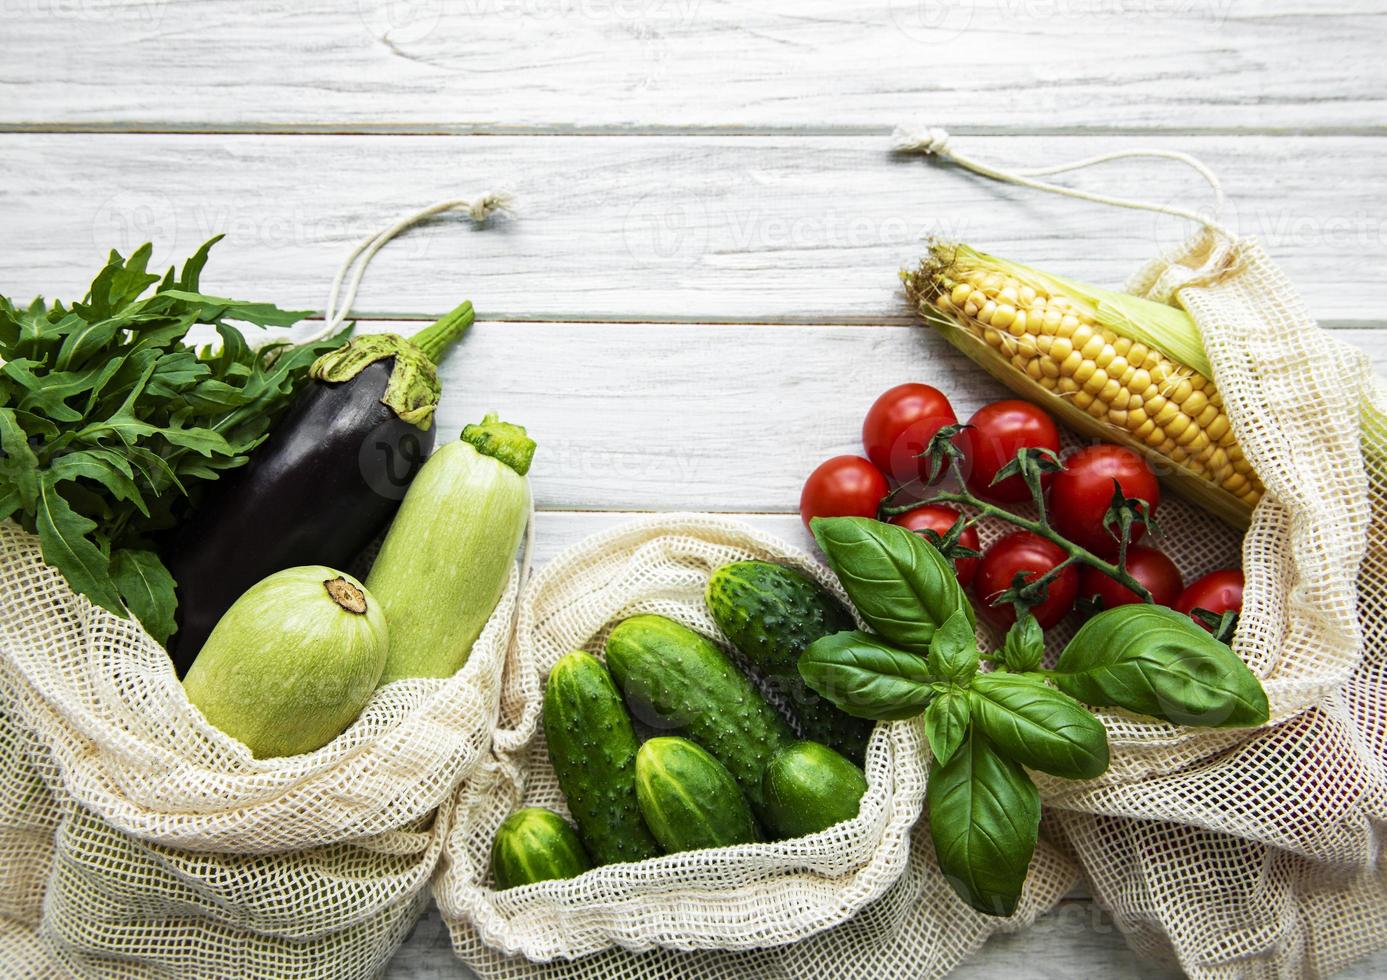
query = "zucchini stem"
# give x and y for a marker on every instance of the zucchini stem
(501, 440)
(434, 339)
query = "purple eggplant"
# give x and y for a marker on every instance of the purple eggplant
(326, 481)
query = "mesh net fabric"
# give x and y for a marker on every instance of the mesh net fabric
(859, 899)
(137, 840)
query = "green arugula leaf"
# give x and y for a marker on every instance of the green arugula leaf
(903, 587)
(954, 651)
(66, 545)
(946, 724)
(108, 420)
(1038, 726)
(1158, 662)
(865, 677)
(147, 588)
(984, 818)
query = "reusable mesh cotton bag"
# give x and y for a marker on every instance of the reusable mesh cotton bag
(137, 840)
(724, 902)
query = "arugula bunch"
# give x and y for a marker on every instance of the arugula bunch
(108, 421)
(985, 729)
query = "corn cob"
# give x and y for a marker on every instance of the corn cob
(1111, 365)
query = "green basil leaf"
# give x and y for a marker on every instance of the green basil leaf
(902, 586)
(147, 588)
(946, 724)
(984, 818)
(954, 651)
(63, 538)
(1038, 726)
(865, 677)
(1024, 645)
(1157, 662)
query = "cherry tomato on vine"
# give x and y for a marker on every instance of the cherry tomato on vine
(844, 486)
(1033, 555)
(997, 432)
(939, 519)
(899, 426)
(1148, 566)
(1219, 592)
(1082, 492)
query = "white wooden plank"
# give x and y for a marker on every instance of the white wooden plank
(698, 417)
(632, 228)
(500, 64)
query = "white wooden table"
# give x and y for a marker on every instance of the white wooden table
(697, 299)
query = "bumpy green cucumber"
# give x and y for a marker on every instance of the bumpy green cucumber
(680, 682)
(689, 799)
(535, 844)
(593, 750)
(809, 788)
(771, 613)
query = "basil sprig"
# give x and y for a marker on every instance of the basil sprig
(986, 728)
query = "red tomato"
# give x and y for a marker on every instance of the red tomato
(936, 518)
(1219, 592)
(1148, 566)
(899, 426)
(1024, 552)
(998, 431)
(844, 486)
(1082, 492)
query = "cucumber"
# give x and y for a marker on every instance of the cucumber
(771, 613)
(689, 799)
(593, 750)
(680, 682)
(535, 844)
(809, 788)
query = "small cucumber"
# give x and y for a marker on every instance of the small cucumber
(809, 788)
(593, 750)
(689, 799)
(535, 844)
(676, 680)
(771, 613)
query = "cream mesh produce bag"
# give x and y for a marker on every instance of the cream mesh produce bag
(749, 910)
(137, 840)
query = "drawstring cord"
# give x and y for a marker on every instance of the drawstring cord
(933, 141)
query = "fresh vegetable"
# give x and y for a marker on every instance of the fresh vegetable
(108, 422)
(1148, 566)
(901, 585)
(449, 551)
(938, 525)
(1082, 493)
(325, 483)
(1158, 662)
(898, 427)
(984, 817)
(592, 746)
(984, 727)
(843, 486)
(771, 613)
(1031, 557)
(993, 437)
(689, 799)
(1214, 601)
(1110, 365)
(808, 788)
(293, 661)
(677, 680)
(535, 844)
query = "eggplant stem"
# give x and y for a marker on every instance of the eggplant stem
(434, 339)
